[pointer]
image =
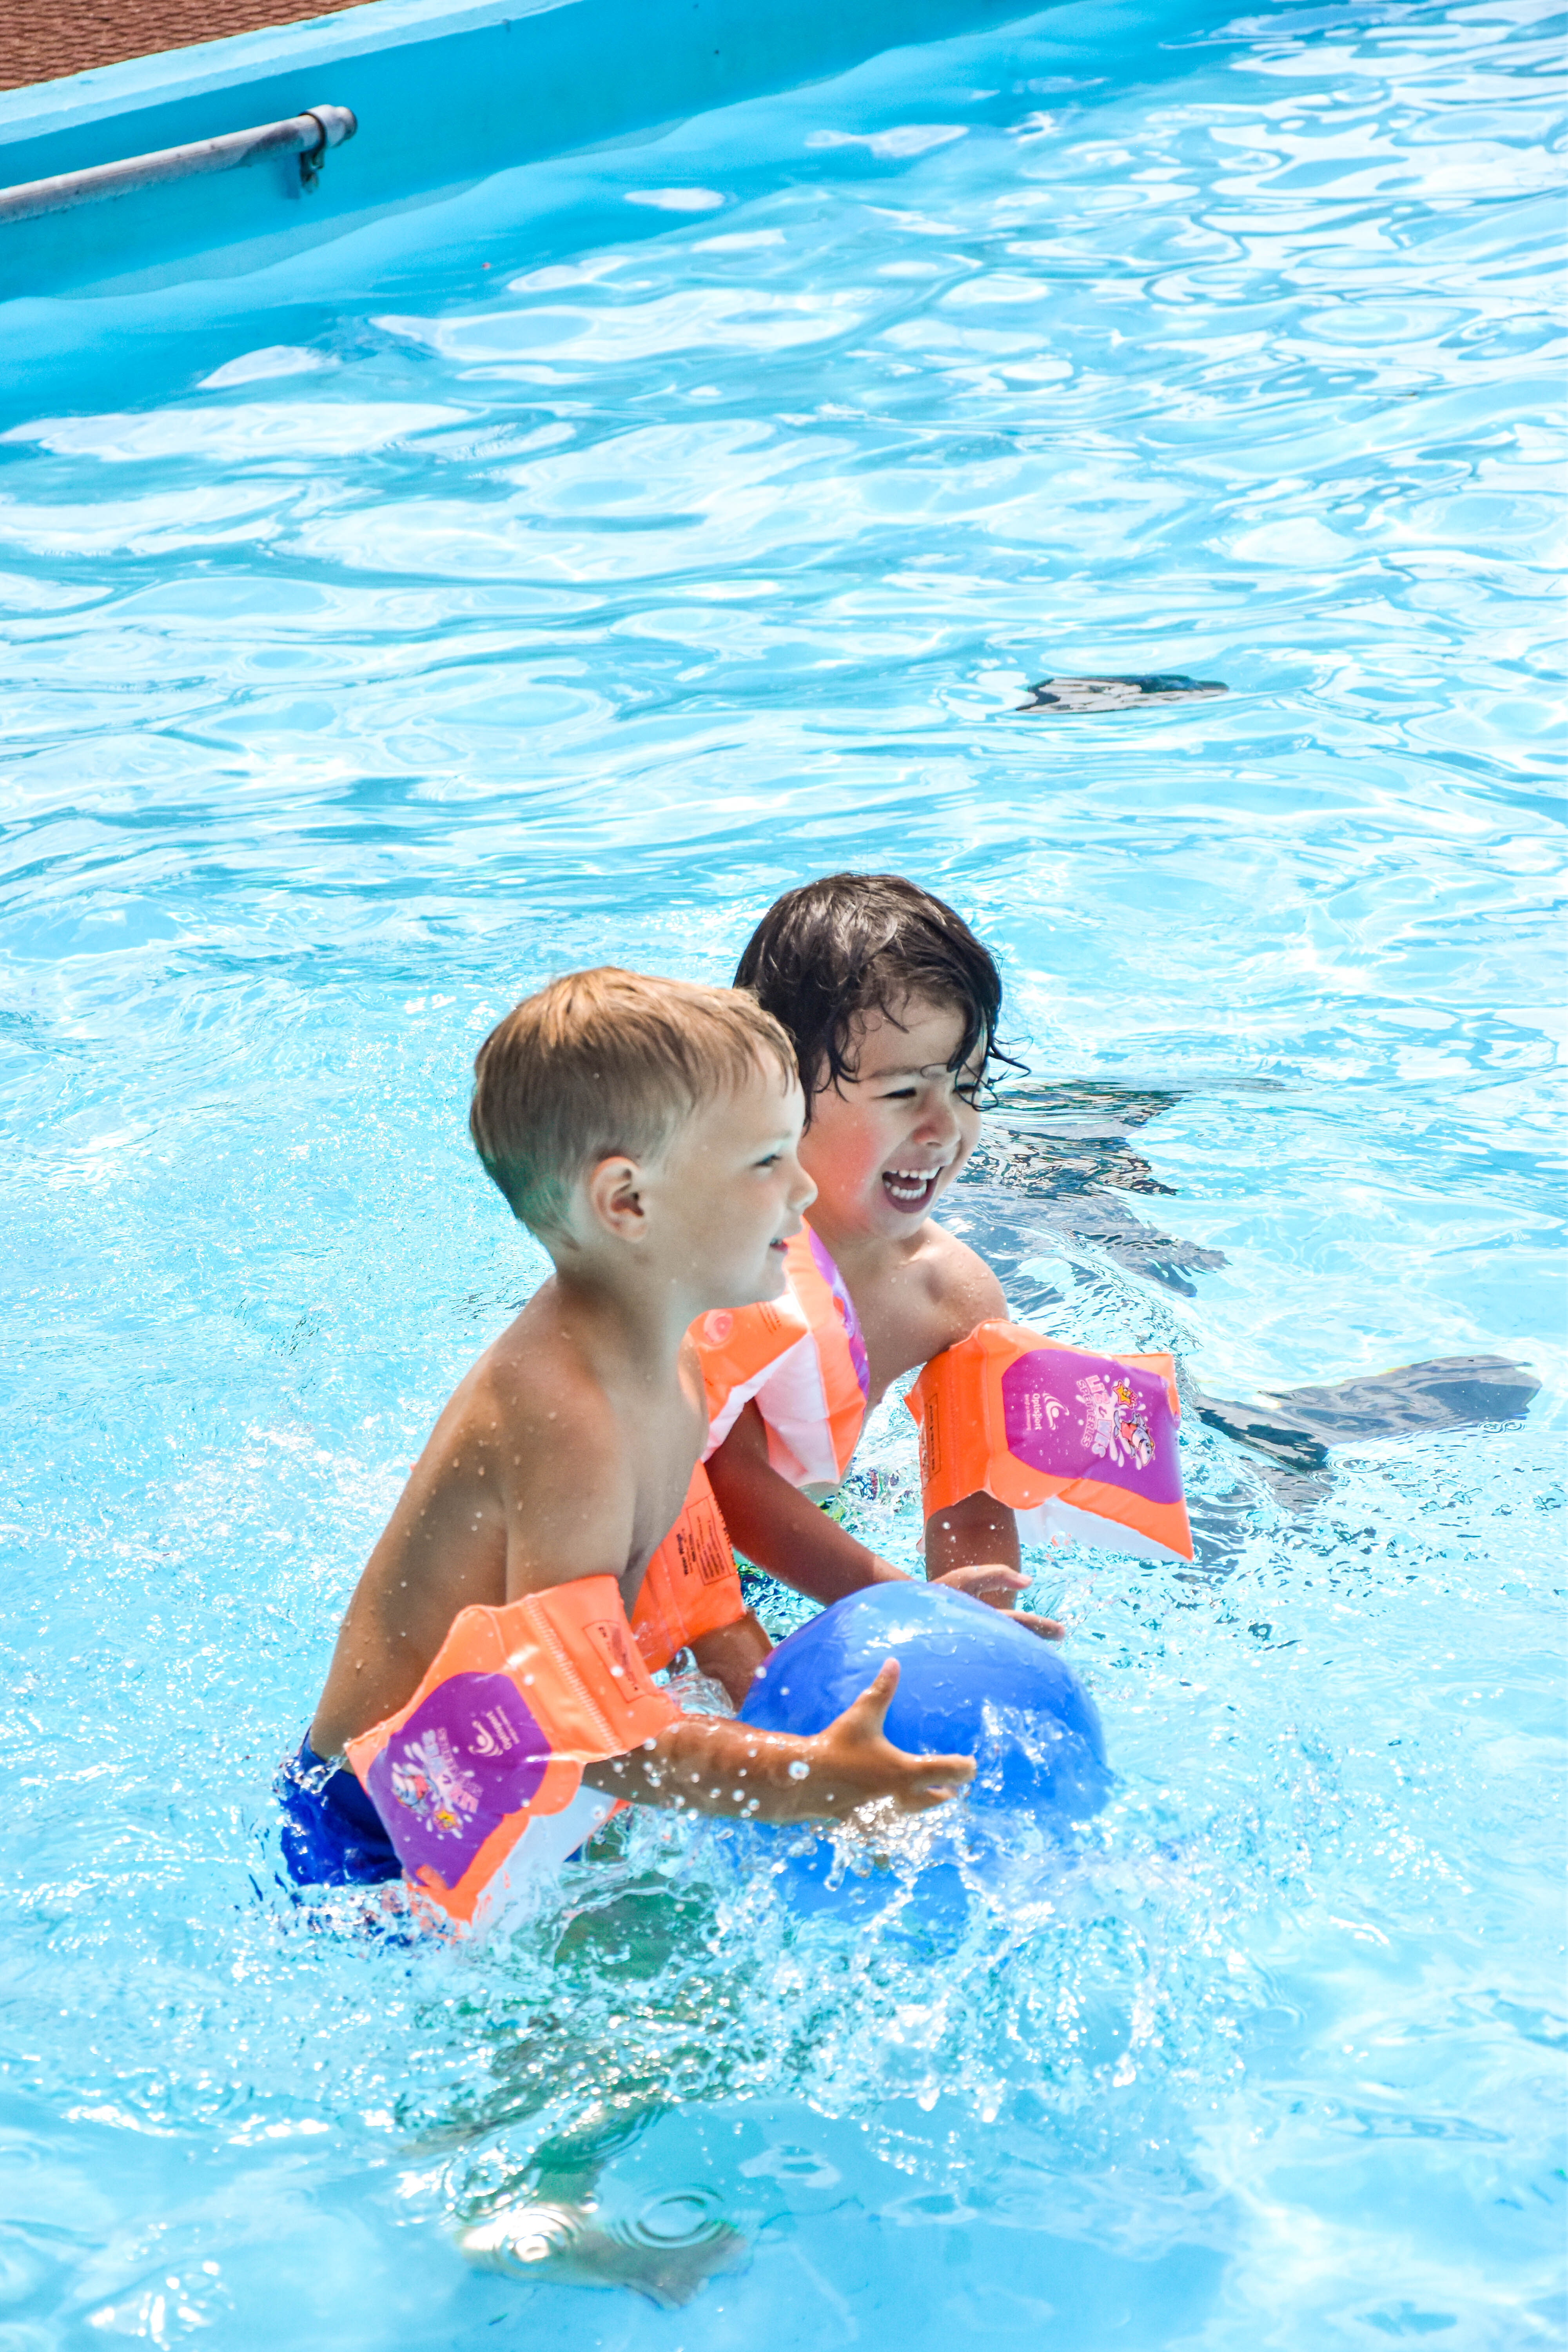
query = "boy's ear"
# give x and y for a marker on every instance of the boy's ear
(615, 1193)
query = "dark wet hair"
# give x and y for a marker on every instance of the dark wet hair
(860, 943)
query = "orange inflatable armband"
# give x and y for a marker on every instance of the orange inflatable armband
(691, 1585)
(1082, 1447)
(800, 1356)
(477, 1780)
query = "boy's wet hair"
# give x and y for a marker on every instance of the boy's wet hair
(853, 944)
(606, 1062)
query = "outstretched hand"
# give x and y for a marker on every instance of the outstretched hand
(716, 1764)
(854, 1762)
(997, 1586)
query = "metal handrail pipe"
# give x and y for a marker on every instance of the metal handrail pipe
(307, 135)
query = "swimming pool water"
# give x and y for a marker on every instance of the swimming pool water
(551, 577)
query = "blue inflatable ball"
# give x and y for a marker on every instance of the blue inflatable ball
(970, 1684)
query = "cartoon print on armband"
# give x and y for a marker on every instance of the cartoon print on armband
(1116, 1423)
(429, 1781)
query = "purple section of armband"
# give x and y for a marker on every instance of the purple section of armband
(469, 1755)
(1076, 1416)
(852, 1331)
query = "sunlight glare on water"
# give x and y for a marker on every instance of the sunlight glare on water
(550, 577)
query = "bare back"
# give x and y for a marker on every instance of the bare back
(560, 1454)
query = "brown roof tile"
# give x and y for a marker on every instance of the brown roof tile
(38, 42)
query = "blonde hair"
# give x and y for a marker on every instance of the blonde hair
(605, 1062)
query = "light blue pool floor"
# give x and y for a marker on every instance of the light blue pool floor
(552, 576)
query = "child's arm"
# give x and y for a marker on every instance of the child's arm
(978, 1531)
(968, 1542)
(732, 1655)
(780, 1528)
(570, 1515)
(776, 1526)
(713, 1765)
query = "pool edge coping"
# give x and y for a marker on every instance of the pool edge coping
(102, 93)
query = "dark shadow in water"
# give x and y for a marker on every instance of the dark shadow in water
(1043, 1139)
(1291, 1434)
(1064, 696)
(1296, 1427)
(1067, 1148)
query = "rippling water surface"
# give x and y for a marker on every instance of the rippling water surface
(551, 576)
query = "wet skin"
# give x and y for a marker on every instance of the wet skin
(882, 1146)
(567, 1451)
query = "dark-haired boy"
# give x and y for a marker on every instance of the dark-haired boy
(892, 1004)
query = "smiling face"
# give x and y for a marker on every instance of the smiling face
(727, 1192)
(889, 1140)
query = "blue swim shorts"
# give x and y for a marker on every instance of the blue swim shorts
(333, 1834)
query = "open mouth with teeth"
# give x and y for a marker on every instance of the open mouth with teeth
(910, 1188)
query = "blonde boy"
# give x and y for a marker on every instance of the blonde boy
(647, 1132)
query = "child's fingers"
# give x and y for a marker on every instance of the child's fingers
(926, 1799)
(938, 1771)
(865, 1715)
(1045, 1627)
(981, 1579)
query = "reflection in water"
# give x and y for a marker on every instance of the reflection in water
(526, 2154)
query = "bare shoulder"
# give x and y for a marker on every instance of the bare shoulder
(926, 1302)
(522, 1486)
(961, 1289)
(533, 1401)
(566, 1477)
